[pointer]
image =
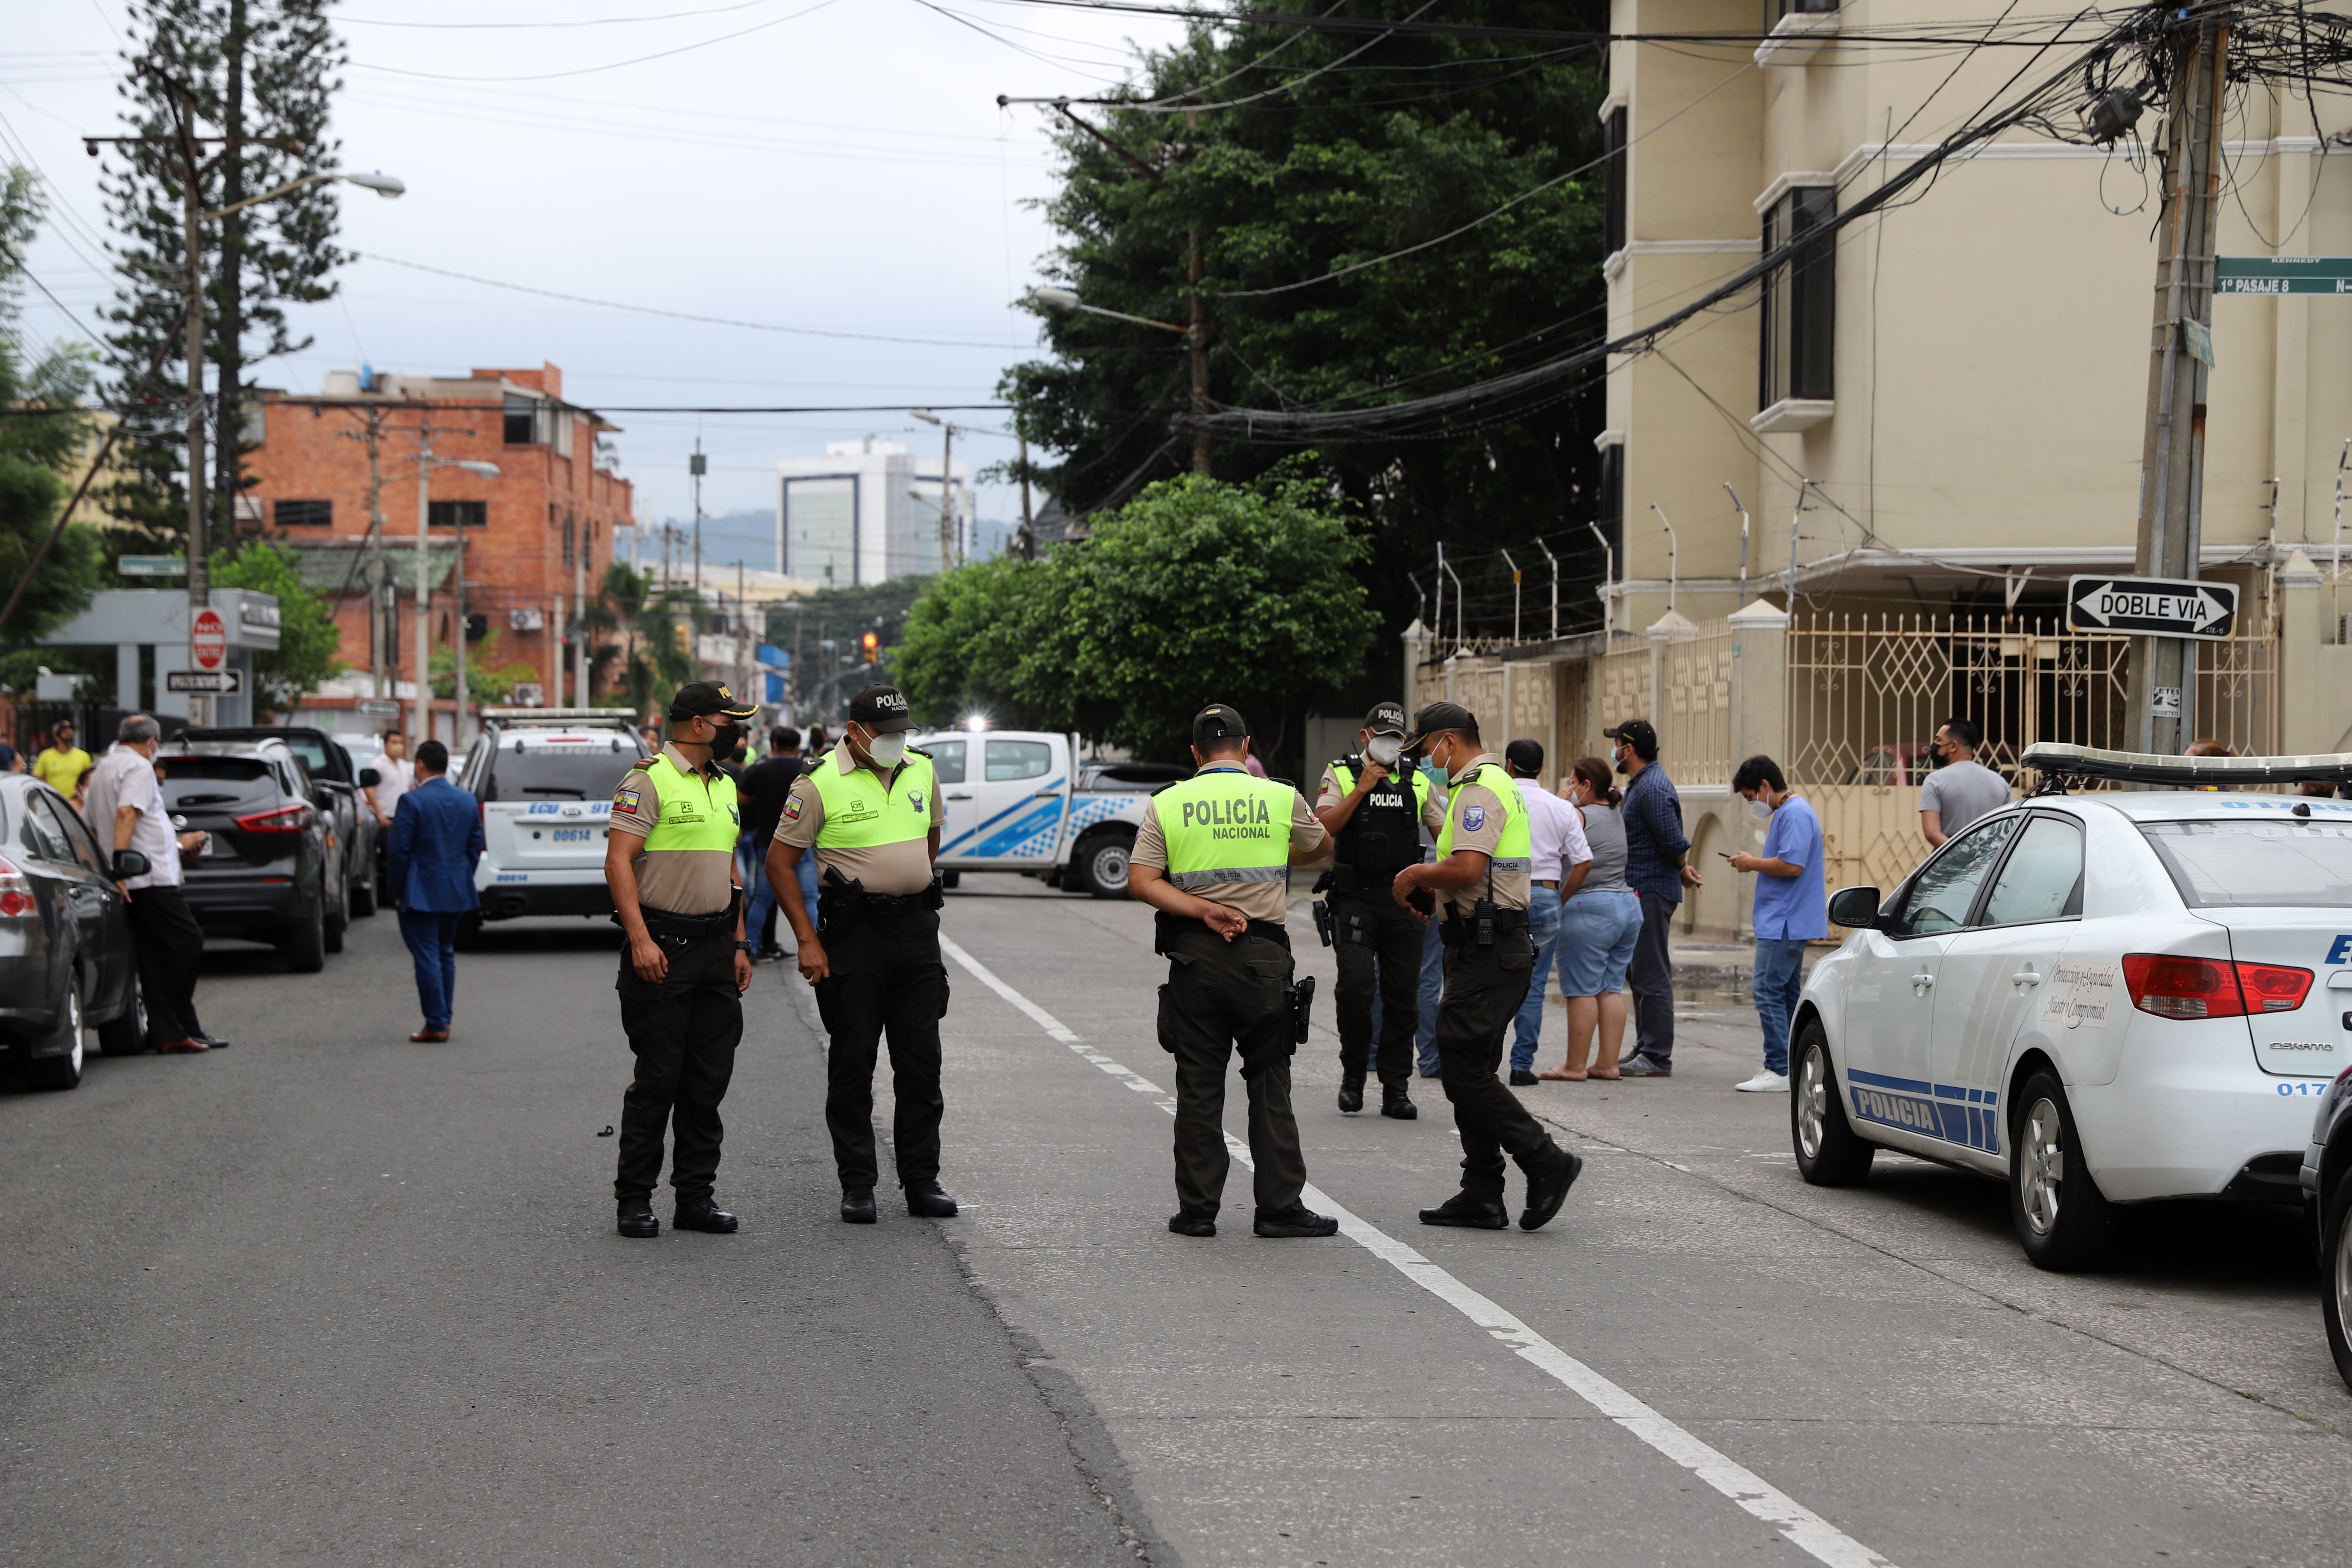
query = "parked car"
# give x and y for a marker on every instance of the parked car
(67, 965)
(2099, 999)
(545, 779)
(2327, 1184)
(351, 830)
(1021, 800)
(271, 872)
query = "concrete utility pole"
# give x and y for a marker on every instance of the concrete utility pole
(696, 466)
(580, 611)
(2163, 670)
(420, 713)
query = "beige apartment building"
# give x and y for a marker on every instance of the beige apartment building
(1931, 423)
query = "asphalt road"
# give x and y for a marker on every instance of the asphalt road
(332, 1297)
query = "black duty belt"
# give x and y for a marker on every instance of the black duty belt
(664, 925)
(1165, 928)
(837, 905)
(1481, 926)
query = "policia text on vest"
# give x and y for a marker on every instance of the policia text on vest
(669, 862)
(869, 811)
(1213, 857)
(1481, 878)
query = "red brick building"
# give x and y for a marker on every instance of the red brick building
(535, 537)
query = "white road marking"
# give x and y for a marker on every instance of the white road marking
(1802, 1527)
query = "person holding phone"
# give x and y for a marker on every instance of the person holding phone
(1792, 907)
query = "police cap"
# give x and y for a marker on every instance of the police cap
(1386, 719)
(1437, 717)
(1217, 722)
(708, 698)
(882, 709)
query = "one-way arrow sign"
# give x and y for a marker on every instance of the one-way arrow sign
(2157, 605)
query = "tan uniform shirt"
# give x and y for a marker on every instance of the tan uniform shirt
(1433, 810)
(892, 870)
(681, 881)
(1257, 901)
(1511, 887)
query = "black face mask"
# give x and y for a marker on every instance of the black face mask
(727, 743)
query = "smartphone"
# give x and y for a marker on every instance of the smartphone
(1722, 855)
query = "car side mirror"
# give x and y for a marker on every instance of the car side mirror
(370, 778)
(1856, 907)
(130, 863)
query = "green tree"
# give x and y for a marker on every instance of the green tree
(38, 449)
(966, 642)
(650, 662)
(1400, 147)
(307, 637)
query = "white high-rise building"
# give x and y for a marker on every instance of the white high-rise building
(867, 511)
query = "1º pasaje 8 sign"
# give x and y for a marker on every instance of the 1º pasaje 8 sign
(2156, 605)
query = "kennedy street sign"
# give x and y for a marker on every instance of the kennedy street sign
(218, 683)
(2283, 274)
(2153, 605)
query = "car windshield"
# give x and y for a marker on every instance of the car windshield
(213, 781)
(585, 771)
(2246, 865)
(313, 754)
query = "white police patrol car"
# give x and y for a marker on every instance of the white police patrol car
(545, 778)
(2101, 998)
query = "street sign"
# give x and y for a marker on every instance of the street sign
(377, 707)
(2283, 274)
(208, 640)
(2152, 604)
(151, 565)
(215, 682)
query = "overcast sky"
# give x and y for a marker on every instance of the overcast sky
(843, 165)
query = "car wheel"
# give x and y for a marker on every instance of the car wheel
(338, 917)
(127, 1036)
(304, 942)
(2336, 1276)
(469, 934)
(1830, 1153)
(950, 880)
(2064, 1221)
(63, 1071)
(363, 892)
(1101, 863)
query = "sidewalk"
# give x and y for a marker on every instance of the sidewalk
(1726, 966)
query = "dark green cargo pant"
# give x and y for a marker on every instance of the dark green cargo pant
(1484, 988)
(1221, 996)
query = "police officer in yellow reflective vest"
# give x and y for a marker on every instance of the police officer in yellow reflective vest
(1375, 805)
(669, 861)
(870, 809)
(1481, 879)
(1213, 857)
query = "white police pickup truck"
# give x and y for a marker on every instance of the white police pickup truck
(545, 778)
(1023, 800)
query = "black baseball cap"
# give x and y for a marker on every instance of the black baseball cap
(708, 698)
(1386, 719)
(1638, 733)
(1217, 722)
(1439, 716)
(882, 709)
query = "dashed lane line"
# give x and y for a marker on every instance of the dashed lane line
(1802, 1527)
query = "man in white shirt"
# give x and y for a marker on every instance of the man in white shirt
(125, 805)
(1561, 858)
(395, 776)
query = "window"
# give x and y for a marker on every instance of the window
(1611, 512)
(2224, 865)
(571, 772)
(305, 513)
(77, 832)
(1799, 315)
(1946, 889)
(947, 759)
(1612, 211)
(2043, 878)
(568, 532)
(44, 838)
(1777, 9)
(457, 513)
(522, 420)
(1009, 760)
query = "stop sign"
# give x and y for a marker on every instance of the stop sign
(208, 641)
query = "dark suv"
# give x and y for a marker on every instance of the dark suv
(269, 872)
(353, 830)
(66, 958)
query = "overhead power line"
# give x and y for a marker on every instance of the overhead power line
(615, 65)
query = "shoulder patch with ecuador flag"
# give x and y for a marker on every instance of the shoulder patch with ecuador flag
(791, 809)
(626, 800)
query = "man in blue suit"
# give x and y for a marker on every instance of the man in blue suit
(436, 841)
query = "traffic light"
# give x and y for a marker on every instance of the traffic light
(873, 648)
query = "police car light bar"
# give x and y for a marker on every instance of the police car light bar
(2054, 761)
(557, 715)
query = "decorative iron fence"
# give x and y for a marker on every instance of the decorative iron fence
(1695, 720)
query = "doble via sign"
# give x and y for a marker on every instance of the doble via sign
(208, 640)
(2157, 606)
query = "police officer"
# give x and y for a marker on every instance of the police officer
(1212, 856)
(870, 808)
(1484, 858)
(669, 861)
(1376, 817)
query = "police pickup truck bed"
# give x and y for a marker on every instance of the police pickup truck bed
(1022, 799)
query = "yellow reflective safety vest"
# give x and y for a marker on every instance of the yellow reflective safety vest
(1517, 852)
(862, 811)
(1225, 825)
(696, 812)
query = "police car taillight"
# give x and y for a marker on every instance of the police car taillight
(2175, 987)
(15, 892)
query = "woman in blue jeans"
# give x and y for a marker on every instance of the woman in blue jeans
(1597, 927)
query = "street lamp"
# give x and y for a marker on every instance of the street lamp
(420, 707)
(1196, 339)
(947, 485)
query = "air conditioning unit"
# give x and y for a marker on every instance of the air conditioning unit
(526, 620)
(529, 693)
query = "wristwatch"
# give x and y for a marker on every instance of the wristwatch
(743, 946)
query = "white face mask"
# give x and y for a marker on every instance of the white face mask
(1761, 810)
(1384, 749)
(888, 751)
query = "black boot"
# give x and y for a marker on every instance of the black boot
(702, 1214)
(858, 1205)
(1351, 1090)
(1188, 1223)
(637, 1220)
(1286, 1225)
(1547, 1191)
(926, 1201)
(1469, 1211)
(1396, 1102)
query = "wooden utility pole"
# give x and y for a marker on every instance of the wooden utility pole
(2163, 670)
